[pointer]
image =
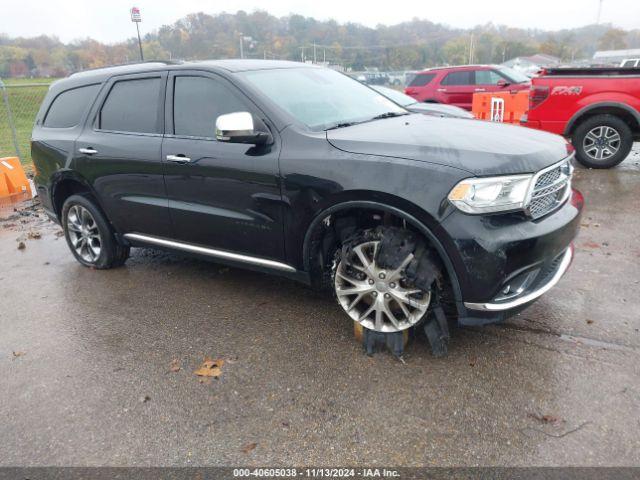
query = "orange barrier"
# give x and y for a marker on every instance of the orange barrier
(13, 180)
(504, 107)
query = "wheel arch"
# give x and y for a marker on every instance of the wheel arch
(630, 115)
(422, 221)
(69, 183)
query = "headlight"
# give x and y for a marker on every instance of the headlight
(492, 194)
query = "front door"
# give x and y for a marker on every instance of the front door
(221, 195)
(119, 153)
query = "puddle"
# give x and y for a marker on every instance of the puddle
(7, 204)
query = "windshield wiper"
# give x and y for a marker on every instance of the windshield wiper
(341, 125)
(389, 115)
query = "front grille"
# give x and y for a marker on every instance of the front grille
(550, 189)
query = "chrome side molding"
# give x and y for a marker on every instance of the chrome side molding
(211, 252)
(496, 307)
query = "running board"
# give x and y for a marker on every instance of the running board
(211, 252)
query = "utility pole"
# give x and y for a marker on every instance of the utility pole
(302, 54)
(241, 46)
(314, 53)
(471, 49)
(137, 18)
(599, 11)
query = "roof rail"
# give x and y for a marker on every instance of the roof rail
(128, 64)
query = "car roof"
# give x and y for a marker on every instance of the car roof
(98, 75)
(459, 67)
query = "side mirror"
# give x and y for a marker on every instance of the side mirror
(238, 127)
(503, 83)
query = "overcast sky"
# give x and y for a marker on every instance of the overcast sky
(108, 20)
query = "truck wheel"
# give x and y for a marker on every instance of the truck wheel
(89, 235)
(602, 141)
(383, 278)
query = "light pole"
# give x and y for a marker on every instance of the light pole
(242, 40)
(137, 18)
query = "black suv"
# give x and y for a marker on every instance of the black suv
(303, 171)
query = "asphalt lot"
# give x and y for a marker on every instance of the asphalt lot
(88, 363)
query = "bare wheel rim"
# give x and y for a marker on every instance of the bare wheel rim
(84, 234)
(377, 298)
(601, 143)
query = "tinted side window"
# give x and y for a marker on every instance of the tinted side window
(487, 77)
(458, 78)
(132, 106)
(198, 102)
(68, 107)
(422, 79)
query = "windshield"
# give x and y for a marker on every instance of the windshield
(398, 97)
(321, 98)
(513, 75)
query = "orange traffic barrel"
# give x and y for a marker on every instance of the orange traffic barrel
(14, 184)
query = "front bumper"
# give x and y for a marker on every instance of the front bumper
(505, 262)
(527, 297)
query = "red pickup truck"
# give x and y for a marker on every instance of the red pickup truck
(597, 108)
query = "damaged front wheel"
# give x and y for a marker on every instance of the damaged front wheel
(372, 283)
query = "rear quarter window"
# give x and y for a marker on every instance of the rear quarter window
(422, 79)
(67, 108)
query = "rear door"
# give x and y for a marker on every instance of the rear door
(119, 152)
(457, 88)
(221, 195)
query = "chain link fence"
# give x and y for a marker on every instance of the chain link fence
(18, 108)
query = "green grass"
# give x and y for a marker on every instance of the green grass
(24, 100)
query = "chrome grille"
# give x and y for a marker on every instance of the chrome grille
(551, 189)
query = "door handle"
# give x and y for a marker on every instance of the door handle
(178, 158)
(480, 90)
(441, 89)
(88, 151)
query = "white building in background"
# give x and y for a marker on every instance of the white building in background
(614, 57)
(532, 64)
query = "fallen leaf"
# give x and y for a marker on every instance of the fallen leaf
(589, 321)
(174, 366)
(210, 368)
(249, 447)
(590, 245)
(548, 419)
(145, 399)
(21, 246)
(34, 235)
(18, 354)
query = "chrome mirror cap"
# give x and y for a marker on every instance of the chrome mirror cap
(234, 127)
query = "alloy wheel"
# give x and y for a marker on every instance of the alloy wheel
(84, 234)
(377, 298)
(601, 143)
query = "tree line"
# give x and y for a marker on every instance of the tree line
(409, 45)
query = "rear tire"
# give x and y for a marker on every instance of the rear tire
(602, 141)
(89, 235)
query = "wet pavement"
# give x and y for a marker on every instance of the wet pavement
(89, 363)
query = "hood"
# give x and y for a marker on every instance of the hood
(439, 109)
(479, 147)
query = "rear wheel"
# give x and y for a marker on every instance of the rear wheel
(89, 236)
(602, 141)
